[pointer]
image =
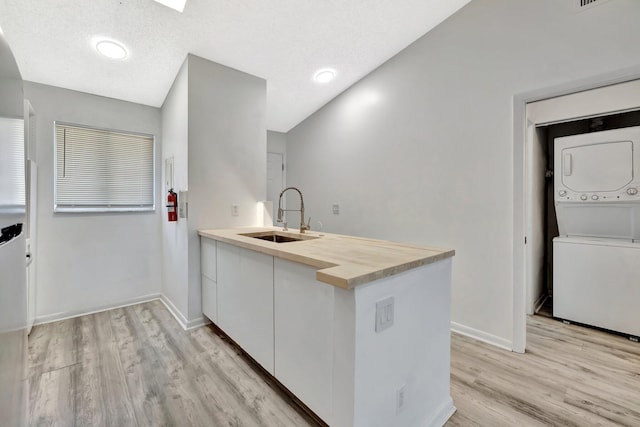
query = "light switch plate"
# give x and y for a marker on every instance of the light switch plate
(183, 204)
(384, 313)
(335, 208)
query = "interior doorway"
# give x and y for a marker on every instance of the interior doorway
(534, 113)
(544, 226)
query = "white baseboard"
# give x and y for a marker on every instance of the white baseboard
(187, 325)
(177, 314)
(49, 318)
(442, 415)
(196, 323)
(482, 336)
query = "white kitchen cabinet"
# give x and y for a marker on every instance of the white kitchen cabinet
(304, 334)
(245, 300)
(208, 263)
(320, 340)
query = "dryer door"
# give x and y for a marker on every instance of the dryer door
(598, 167)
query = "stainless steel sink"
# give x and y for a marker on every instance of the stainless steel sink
(278, 236)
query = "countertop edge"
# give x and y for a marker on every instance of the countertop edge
(311, 262)
(325, 276)
(325, 267)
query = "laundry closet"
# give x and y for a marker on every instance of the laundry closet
(585, 201)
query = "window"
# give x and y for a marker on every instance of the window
(100, 170)
(12, 190)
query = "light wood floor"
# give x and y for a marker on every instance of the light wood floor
(136, 366)
(569, 376)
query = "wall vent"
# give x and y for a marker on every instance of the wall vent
(587, 4)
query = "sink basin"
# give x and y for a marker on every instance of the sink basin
(279, 236)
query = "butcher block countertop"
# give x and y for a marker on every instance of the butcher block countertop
(342, 261)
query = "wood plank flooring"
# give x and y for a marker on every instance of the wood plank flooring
(135, 366)
(569, 376)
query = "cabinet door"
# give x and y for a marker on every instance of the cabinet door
(208, 258)
(245, 300)
(208, 262)
(209, 298)
(304, 334)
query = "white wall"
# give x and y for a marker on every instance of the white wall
(11, 104)
(276, 142)
(420, 150)
(175, 234)
(414, 352)
(88, 261)
(214, 124)
(227, 155)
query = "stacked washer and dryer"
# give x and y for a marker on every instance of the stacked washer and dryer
(596, 258)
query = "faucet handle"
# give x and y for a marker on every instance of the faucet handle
(308, 224)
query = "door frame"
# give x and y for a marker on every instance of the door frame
(284, 182)
(31, 211)
(521, 200)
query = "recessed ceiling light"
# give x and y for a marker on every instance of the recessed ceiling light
(174, 4)
(111, 49)
(324, 76)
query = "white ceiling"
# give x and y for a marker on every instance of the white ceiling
(282, 41)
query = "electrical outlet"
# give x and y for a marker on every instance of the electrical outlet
(401, 395)
(336, 208)
(235, 210)
(384, 314)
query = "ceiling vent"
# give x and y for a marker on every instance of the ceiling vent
(587, 4)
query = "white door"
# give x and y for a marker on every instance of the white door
(275, 180)
(31, 184)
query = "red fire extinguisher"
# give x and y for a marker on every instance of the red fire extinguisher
(172, 205)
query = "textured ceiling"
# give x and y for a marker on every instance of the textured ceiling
(282, 41)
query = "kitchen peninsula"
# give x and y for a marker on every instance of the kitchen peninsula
(358, 329)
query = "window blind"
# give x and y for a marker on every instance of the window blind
(102, 170)
(12, 182)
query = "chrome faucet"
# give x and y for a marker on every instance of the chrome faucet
(303, 226)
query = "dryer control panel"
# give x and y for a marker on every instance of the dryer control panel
(628, 194)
